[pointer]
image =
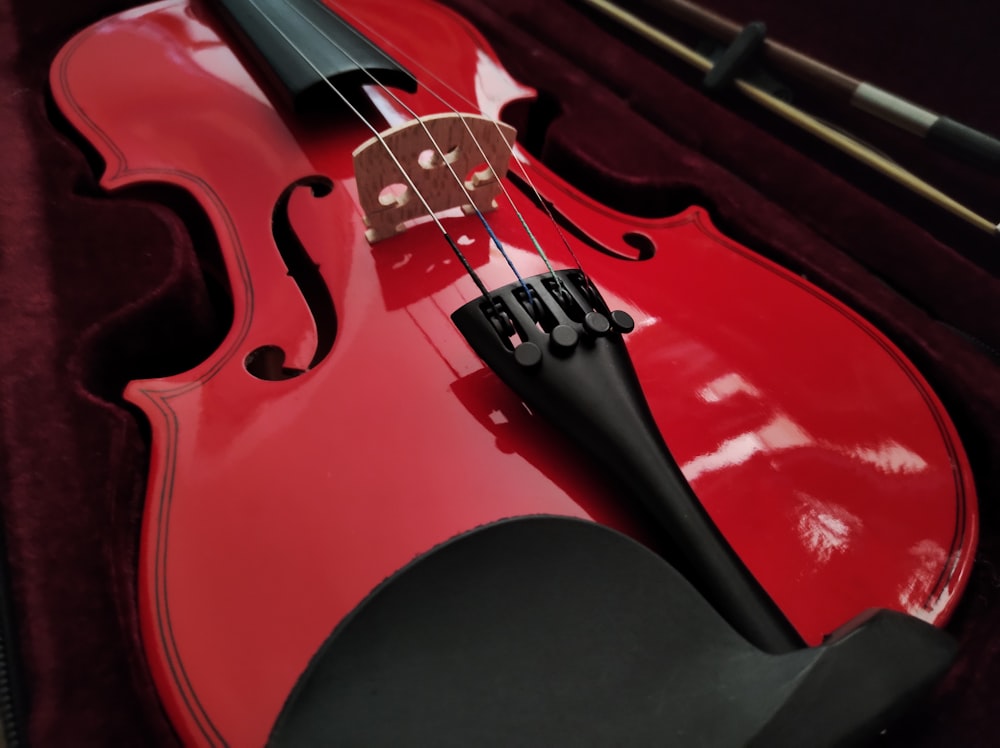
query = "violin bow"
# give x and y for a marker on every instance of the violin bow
(949, 136)
(871, 98)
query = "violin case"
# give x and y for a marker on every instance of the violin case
(97, 291)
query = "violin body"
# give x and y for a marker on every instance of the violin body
(276, 504)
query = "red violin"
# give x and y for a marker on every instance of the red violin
(389, 384)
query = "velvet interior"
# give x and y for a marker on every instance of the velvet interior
(95, 291)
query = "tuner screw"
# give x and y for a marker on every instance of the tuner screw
(528, 355)
(596, 324)
(622, 321)
(563, 339)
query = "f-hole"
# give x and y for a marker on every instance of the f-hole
(267, 361)
(638, 247)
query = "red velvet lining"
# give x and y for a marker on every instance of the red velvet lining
(95, 291)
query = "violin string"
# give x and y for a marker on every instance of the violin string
(517, 212)
(437, 222)
(440, 152)
(461, 97)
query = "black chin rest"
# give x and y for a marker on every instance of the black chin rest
(548, 631)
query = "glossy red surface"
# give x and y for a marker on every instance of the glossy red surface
(274, 507)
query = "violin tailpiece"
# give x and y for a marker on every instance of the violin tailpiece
(562, 352)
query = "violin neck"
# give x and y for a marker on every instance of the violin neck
(326, 51)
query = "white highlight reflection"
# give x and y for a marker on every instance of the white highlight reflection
(390, 111)
(825, 528)
(495, 87)
(778, 434)
(930, 558)
(726, 386)
(890, 457)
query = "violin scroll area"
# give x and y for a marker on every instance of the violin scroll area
(430, 165)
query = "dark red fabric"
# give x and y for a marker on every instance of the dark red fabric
(95, 291)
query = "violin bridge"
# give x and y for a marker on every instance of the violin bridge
(477, 149)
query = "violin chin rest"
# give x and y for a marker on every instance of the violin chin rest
(553, 631)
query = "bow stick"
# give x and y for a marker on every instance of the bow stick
(948, 135)
(804, 121)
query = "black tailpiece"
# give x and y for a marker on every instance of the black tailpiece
(562, 352)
